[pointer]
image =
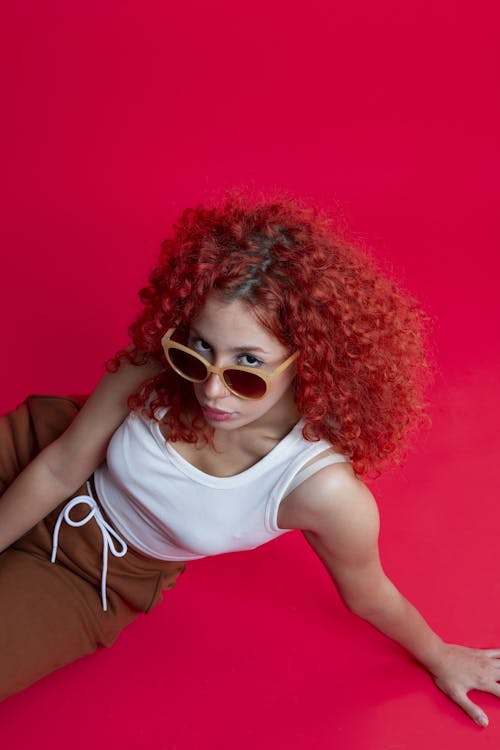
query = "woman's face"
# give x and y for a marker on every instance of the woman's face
(229, 334)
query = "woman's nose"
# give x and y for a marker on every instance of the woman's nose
(214, 387)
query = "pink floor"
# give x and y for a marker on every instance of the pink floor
(255, 650)
(117, 115)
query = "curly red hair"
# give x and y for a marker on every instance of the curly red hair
(362, 366)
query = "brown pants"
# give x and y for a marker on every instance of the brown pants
(51, 614)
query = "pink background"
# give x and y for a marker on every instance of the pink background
(119, 114)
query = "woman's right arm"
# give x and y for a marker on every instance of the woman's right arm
(64, 465)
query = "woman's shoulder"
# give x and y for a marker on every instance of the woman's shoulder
(80, 449)
(120, 384)
(333, 490)
(107, 405)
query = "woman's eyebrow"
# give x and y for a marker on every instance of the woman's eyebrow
(248, 349)
(241, 348)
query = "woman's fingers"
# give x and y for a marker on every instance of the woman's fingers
(495, 690)
(462, 669)
(470, 708)
(460, 697)
(494, 652)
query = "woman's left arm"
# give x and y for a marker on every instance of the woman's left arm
(341, 524)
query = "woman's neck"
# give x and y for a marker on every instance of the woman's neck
(271, 427)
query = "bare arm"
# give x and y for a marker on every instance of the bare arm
(62, 467)
(341, 524)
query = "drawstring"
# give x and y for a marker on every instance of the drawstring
(106, 530)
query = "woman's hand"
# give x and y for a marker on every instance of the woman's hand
(461, 669)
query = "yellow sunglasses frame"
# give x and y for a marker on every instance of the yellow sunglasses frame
(267, 377)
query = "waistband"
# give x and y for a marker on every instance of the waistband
(83, 547)
(109, 535)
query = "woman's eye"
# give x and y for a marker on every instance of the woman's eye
(199, 345)
(248, 360)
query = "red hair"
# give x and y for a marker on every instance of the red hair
(362, 366)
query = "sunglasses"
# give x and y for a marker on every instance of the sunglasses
(244, 382)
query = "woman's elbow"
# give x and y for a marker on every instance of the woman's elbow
(372, 601)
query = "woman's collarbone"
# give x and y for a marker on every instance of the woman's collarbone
(221, 461)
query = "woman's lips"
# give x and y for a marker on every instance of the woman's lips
(216, 415)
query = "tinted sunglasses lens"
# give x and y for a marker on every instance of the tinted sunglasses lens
(191, 367)
(246, 384)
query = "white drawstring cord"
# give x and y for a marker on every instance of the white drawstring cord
(106, 530)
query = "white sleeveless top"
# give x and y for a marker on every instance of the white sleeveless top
(168, 509)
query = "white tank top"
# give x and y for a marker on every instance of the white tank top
(168, 509)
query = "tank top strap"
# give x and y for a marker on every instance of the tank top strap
(309, 471)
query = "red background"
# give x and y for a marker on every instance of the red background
(119, 114)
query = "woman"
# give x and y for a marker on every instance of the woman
(272, 366)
